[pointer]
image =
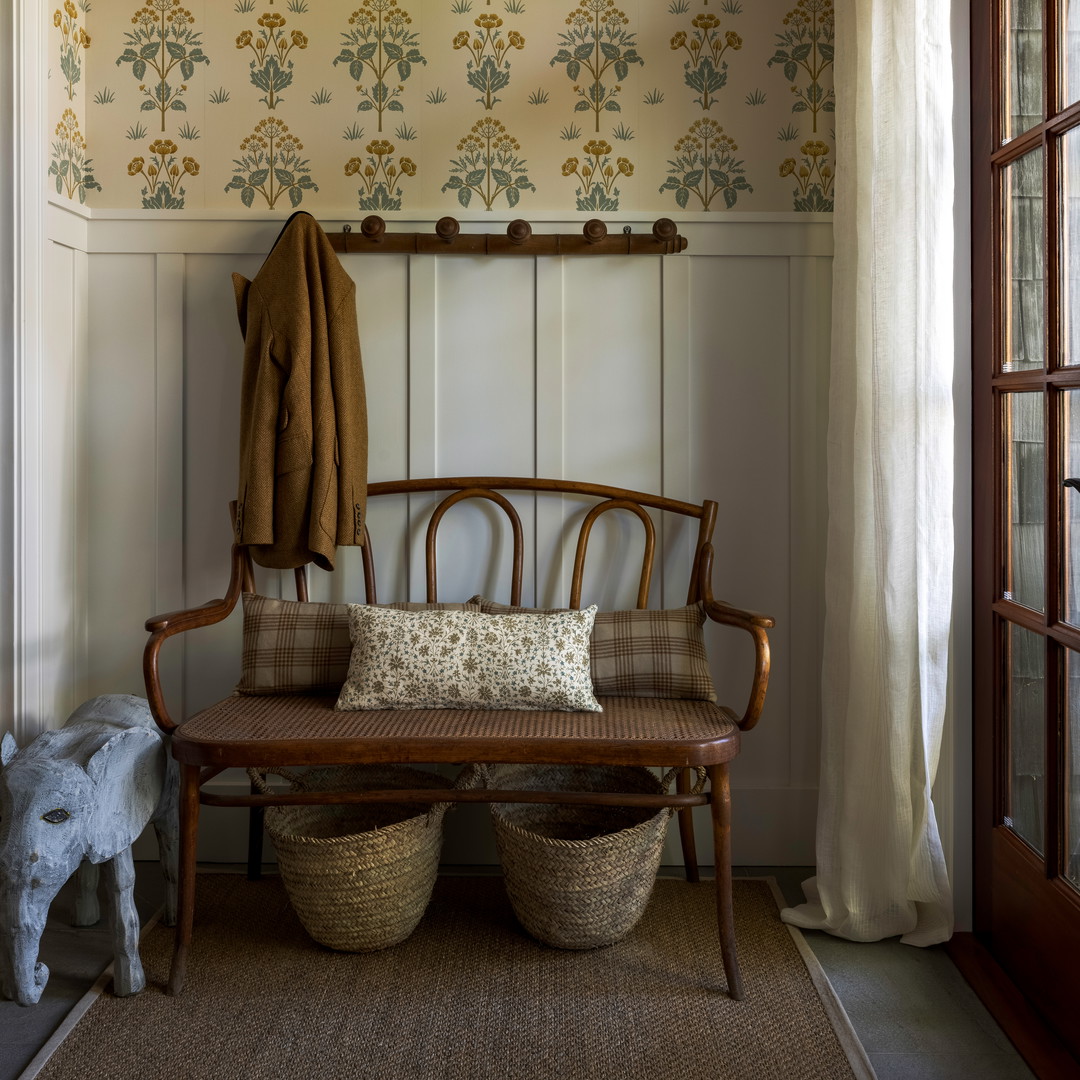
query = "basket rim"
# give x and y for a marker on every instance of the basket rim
(383, 830)
(629, 832)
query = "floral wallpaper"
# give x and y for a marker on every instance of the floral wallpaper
(435, 107)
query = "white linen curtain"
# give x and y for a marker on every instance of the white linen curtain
(880, 867)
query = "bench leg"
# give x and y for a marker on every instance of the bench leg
(721, 822)
(185, 913)
(686, 828)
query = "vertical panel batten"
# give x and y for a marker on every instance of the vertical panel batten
(81, 466)
(423, 421)
(676, 550)
(169, 293)
(550, 411)
(28, 631)
(808, 410)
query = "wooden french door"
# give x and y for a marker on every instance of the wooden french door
(1026, 406)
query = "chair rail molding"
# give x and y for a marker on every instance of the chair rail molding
(22, 495)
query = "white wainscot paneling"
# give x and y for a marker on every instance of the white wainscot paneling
(612, 406)
(61, 650)
(741, 418)
(485, 375)
(701, 376)
(121, 416)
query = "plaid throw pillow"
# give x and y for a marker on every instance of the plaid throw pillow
(640, 653)
(294, 647)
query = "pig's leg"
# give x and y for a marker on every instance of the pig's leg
(87, 908)
(128, 977)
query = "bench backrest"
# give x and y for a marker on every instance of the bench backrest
(495, 489)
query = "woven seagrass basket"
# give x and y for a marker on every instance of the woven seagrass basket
(358, 876)
(579, 877)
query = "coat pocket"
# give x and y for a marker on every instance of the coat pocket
(293, 452)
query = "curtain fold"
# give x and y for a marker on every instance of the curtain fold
(889, 566)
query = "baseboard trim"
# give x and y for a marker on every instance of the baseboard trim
(1037, 1043)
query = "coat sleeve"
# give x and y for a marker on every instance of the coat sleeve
(261, 391)
(350, 407)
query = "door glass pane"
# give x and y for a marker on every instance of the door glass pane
(1022, 54)
(1072, 769)
(1069, 50)
(1025, 499)
(1024, 263)
(1026, 667)
(1070, 244)
(1070, 506)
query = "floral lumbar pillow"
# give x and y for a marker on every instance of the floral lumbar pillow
(468, 660)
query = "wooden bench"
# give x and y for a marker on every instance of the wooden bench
(290, 730)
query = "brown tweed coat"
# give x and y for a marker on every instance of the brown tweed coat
(303, 411)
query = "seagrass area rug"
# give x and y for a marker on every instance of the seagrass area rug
(469, 996)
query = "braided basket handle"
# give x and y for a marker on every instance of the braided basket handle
(699, 786)
(258, 779)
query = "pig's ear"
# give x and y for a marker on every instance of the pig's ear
(120, 752)
(8, 748)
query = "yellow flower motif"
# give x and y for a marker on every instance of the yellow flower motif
(352, 166)
(461, 39)
(488, 128)
(244, 40)
(84, 38)
(679, 40)
(408, 166)
(570, 166)
(706, 128)
(814, 148)
(135, 166)
(69, 7)
(706, 22)
(733, 40)
(597, 147)
(787, 167)
(488, 22)
(163, 147)
(300, 40)
(271, 20)
(57, 18)
(517, 41)
(626, 167)
(271, 127)
(191, 166)
(379, 147)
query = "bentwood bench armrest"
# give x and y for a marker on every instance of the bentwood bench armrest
(753, 622)
(161, 627)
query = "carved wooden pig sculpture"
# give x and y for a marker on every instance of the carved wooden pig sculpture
(80, 795)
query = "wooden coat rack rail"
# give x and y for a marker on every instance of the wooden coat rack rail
(448, 239)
